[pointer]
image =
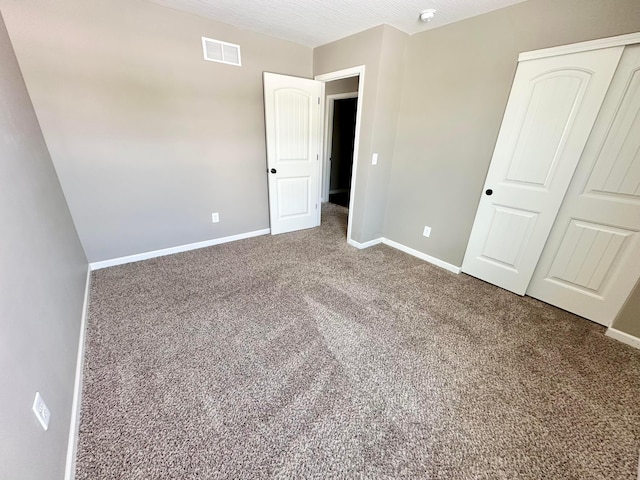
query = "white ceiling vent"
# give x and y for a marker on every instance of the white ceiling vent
(223, 52)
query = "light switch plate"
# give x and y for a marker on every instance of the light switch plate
(427, 231)
(374, 159)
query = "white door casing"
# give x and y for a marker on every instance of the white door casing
(358, 71)
(552, 107)
(293, 121)
(592, 258)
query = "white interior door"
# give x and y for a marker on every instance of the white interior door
(293, 127)
(592, 258)
(552, 107)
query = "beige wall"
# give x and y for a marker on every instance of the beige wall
(456, 84)
(628, 319)
(345, 85)
(148, 138)
(388, 95)
(360, 49)
(42, 280)
(380, 50)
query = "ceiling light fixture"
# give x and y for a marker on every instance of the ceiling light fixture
(427, 15)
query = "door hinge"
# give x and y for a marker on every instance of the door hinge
(316, 206)
(318, 100)
(317, 156)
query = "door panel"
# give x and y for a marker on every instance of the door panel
(292, 120)
(551, 111)
(552, 107)
(617, 171)
(293, 197)
(518, 224)
(586, 256)
(592, 258)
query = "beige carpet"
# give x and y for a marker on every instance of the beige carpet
(298, 356)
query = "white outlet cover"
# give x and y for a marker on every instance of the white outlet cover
(215, 218)
(42, 412)
(427, 231)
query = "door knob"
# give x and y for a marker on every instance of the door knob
(488, 192)
(273, 170)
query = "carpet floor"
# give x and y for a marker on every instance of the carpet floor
(299, 356)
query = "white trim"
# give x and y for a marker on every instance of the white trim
(181, 248)
(617, 41)
(325, 138)
(328, 138)
(340, 74)
(346, 73)
(74, 423)
(398, 246)
(321, 154)
(423, 256)
(370, 243)
(623, 337)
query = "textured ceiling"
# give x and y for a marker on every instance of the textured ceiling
(317, 22)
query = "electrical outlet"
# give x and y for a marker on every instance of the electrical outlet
(215, 218)
(427, 231)
(374, 159)
(41, 411)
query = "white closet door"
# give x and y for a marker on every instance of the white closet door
(553, 105)
(592, 258)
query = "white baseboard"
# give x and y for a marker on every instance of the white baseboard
(422, 256)
(368, 244)
(623, 337)
(74, 424)
(181, 248)
(405, 249)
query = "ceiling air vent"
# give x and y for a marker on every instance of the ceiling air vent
(223, 52)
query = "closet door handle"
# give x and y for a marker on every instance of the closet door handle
(489, 191)
(273, 170)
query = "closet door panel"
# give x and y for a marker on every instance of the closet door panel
(552, 107)
(592, 258)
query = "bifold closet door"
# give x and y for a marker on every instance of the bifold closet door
(592, 258)
(552, 107)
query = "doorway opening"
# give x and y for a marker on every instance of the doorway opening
(343, 111)
(341, 128)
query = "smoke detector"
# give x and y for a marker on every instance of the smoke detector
(427, 15)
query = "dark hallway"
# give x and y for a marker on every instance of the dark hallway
(344, 122)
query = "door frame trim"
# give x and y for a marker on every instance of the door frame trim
(616, 41)
(337, 75)
(328, 128)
